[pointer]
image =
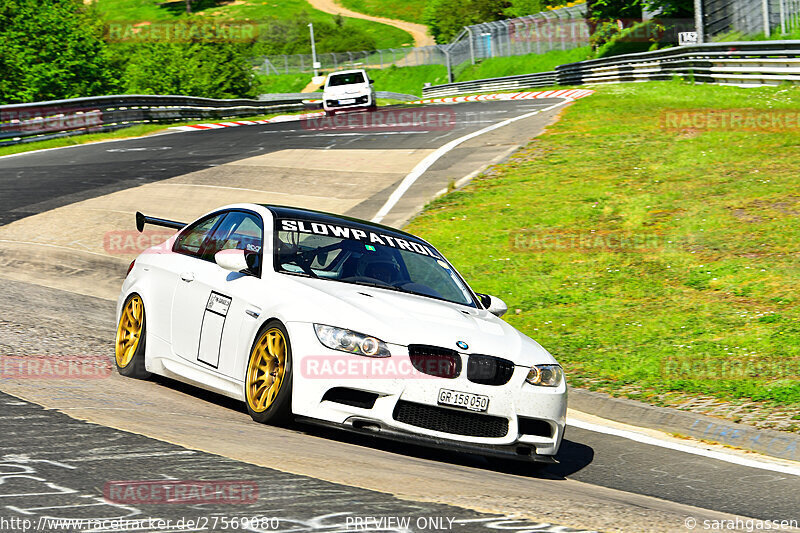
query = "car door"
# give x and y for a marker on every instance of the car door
(192, 284)
(210, 308)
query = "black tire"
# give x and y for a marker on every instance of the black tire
(135, 366)
(372, 108)
(279, 411)
(330, 113)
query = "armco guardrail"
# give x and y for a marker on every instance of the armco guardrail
(733, 63)
(318, 96)
(538, 79)
(45, 120)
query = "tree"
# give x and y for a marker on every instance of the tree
(52, 49)
(446, 18)
(191, 66)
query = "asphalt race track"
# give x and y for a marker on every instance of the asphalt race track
(309, 479)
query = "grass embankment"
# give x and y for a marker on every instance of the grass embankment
(410, 10)
(408, 80)
(648, 259)
(525, 64)
(385, 36)
(282, 83)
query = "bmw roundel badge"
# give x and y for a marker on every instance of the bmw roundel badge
(463, 345)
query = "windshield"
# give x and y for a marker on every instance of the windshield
(363, 257)
(345, 79)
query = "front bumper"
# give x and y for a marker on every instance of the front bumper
(519, 451)
(517, 405)
(330, 104)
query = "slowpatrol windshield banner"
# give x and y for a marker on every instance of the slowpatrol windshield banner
(356, 234)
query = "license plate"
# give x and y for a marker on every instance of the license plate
(347, 101)
(464, 400)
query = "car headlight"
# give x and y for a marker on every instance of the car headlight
(349, 341)
(545, 375)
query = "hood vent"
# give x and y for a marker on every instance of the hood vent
(435, 361)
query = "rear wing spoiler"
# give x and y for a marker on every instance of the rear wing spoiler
(141, 220)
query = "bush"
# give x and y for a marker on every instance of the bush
(446, 18)
(207, 68)
(640, 37)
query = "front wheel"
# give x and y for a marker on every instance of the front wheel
(130, 342)
(268, 383)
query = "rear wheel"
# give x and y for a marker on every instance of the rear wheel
(268, 383)
(130, 342)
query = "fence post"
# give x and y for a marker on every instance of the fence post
(765, 9)
(471, 45)
(782, 12)
(449, 68)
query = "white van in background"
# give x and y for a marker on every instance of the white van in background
(348, 89)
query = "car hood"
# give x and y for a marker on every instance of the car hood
(401, 318)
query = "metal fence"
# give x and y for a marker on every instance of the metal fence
(731, 63)
(557, 29)
(45, 120)
(378, 59)
(749, 17)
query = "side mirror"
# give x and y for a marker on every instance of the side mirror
(321, 87)
(371, 82)
(233, 260)
(493, 304)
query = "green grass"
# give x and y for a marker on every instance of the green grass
(248, 11)
(775, 36)
(408, 80)
(526, 64)
(282, 83)
(709, 272)
(410, 10)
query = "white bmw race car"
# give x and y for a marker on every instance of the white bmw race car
(337, 321)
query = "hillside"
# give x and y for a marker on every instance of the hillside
(282, 24)
(410, 10)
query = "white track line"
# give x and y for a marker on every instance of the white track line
(653, 441)
(426, 163)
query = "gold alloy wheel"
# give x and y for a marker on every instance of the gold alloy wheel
(129, 330)
(266, 370)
